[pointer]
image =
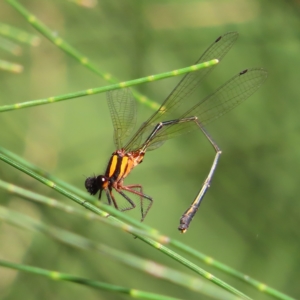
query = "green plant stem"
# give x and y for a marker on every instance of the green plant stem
(228, 270)
(9, 46)
(19, 35)
(67, 48)
(11, 67)
(120, 85)
(55, 275)
(51, 202)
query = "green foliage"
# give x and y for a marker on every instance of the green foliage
(249, 217)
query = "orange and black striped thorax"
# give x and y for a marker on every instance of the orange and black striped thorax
(121, 163)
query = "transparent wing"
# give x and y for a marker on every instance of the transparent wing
(229, 95)
(225, 98)
(122, 107)
(185, 87)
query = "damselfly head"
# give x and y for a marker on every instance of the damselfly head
(96, 183)
(92, 186)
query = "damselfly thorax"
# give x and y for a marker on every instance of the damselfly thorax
(119, 166)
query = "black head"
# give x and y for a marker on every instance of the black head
(96, 183)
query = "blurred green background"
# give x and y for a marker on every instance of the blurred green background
(250, 216)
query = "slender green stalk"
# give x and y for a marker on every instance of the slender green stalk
(45, 174)
(19, 35)
(10, 46)
(11, 67)
(58, 276)
(53, 203)
(228, 270)
(194, 267)
(120, 85)
(172, 275)
(67, 48)
(154, 269)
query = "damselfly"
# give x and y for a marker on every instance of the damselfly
(167, 122)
